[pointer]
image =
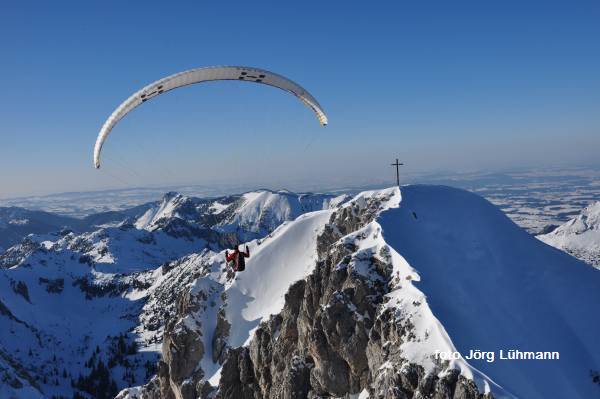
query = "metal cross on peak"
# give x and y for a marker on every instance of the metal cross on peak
(397, 165)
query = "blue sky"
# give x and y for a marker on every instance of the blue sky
(442, 85)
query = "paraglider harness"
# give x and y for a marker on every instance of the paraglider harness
(236, 261)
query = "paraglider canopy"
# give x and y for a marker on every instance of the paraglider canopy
(199, 75)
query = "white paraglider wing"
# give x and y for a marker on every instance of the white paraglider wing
(246, 74)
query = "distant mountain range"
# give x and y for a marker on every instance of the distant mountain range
(536, 199)
(16, 223)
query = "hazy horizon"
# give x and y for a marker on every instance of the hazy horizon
(316, 185)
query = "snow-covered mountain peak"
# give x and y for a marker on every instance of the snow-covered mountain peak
(260, 212)
(251, 215)
(375, 200)
(588, 219)
(172, 205)
(579, 236)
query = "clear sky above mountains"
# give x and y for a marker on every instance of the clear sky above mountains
(442, 85)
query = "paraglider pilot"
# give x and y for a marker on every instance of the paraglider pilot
(237, 259)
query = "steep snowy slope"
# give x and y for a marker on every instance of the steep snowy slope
(275, 265)
(493, 287)
(579, 236)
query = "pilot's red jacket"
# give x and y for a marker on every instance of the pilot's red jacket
(239, 258)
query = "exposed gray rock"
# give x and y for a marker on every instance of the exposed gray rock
(164, 382)
(205, 390)
(149, 391)
(237, 377)
(219, 341)
(183, 349)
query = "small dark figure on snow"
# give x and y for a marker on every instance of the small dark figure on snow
(237, 259)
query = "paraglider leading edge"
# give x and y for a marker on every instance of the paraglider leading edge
(199, 75)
